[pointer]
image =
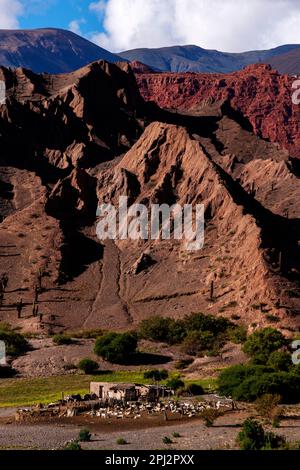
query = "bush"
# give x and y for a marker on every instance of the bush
(276, 383)
(232, 377)
(156, 375)
(175, 383)
(117, 348)
(249, 382)
(121, 441)
(62, 339)
(210, 415)
(73, 445)
(6, 372)
(267, 406)
(253, 437)
(238, 335)
(261, 344)
(15, 342)
(167, 440)
(162, 329)
(194, 389)
(201, 322)
(280, 361)
(84, 435)
(88, 366)
(197, 342)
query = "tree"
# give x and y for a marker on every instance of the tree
(262, 343)
(197, 342)
(162, 329)
(88, 366)
(280, 361)
(117, 348)
(175, 383)
(156, 375)
(15, 342)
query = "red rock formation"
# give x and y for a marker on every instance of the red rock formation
(58, 136)
(262, 95)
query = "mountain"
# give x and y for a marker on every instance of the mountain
(259, 93)
(287, 63)
(71, 141)
(49, 50)
(195, 59)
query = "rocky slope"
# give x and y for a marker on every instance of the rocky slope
(74, 140)
(49, 50)
(191, 58)
(258, 93)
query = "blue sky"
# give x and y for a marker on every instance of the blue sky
(226, 25)
(60, 14)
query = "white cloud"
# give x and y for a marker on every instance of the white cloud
(74, 26)
(213, 24)
(10, 10)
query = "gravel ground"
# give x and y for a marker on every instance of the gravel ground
(194, 435)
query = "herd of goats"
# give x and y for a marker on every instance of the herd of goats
(89, 406)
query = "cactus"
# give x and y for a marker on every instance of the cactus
(212, 286)
(40, 276)
(35, 309)
(20, 308)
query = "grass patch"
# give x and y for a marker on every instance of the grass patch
(26, 392)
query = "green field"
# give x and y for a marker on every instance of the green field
(26, 392)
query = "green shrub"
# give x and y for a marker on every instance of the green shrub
(121, 441)
(167, 440)
(117, 348)
(201, 322)
(232, 377)
(267, 406)
(15, 342)
(197, 342)
(84, 435)
(262, 343)
(62, 339)
(176, 435)
(156, 375)
(276, 383)
(209, 415)
(237, 334)
(88, 366)
(280, 361)
(253, 437)
(73, 445)
(162, 329)
(175, 383)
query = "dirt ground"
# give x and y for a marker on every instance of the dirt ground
(46, 359)
(140, 435)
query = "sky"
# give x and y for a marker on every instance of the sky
(117, 25)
